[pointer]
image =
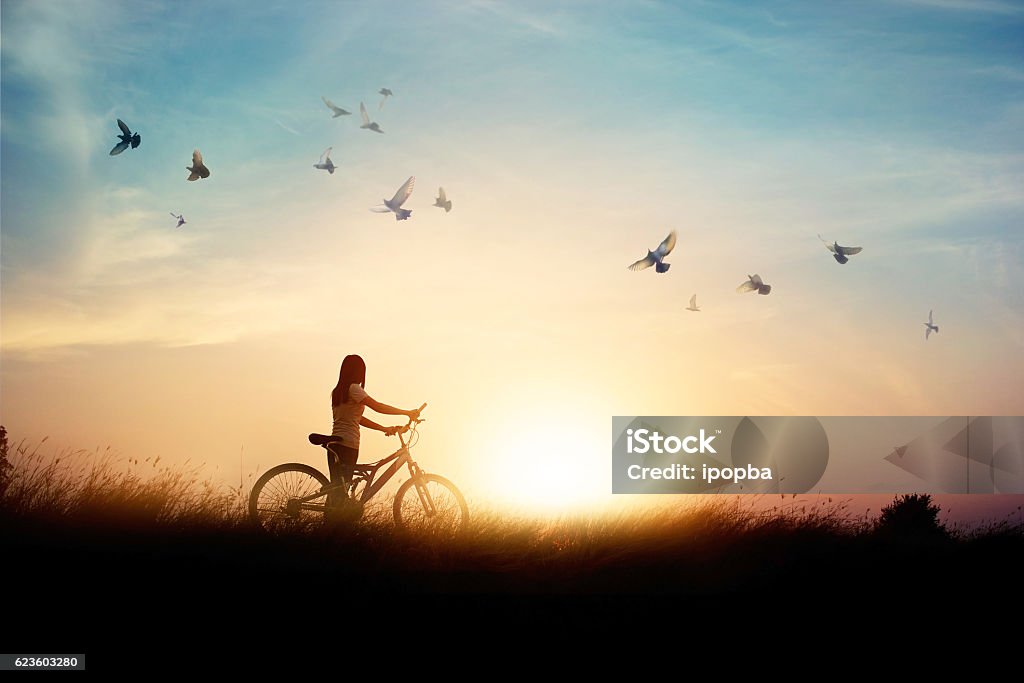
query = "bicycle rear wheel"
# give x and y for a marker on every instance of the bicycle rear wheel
(429, 503)
(273, 505)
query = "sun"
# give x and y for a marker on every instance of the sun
(554, 464)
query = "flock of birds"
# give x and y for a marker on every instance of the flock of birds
(656, 258)
(753, 283)
(394, 205)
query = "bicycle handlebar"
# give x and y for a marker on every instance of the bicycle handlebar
(413, 421)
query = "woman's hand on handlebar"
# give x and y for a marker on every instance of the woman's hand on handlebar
(415, 414)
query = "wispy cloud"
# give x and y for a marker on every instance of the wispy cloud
(517, 15)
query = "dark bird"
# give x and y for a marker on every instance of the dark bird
(386, 93)
(656, 258)
(197, 169)
(395, 203)
(325, 163)
(181, 219)
(127, 138)
(754, 283)
(839, 253)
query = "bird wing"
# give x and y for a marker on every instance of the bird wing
(403, 192)
(930, 321)
(827, 244)
(124, 128)
(850, 251)
(326, 154)
(756, 280)
(643, 264)
(667, 245)
(193, 175)
(440, 195)
(693, 301)
(380, 209)
(747, 286)
(118, 148)
(175, 215)
(362, 113)
(927, 331)
(203, 171)
(197, 158)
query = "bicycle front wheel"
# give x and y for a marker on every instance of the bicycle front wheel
(430, 504)
(273, 503)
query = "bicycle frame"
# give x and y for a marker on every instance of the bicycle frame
(368, 472)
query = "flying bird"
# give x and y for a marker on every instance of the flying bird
(754, 283)
(181, 219)
(693, 304)
(395, 203)
(127, 138)
(367, 124)
(839, 253)
(930, 327)
(338, 111)
(386, 93)
(442, 201)
(197, 168)
(656, 258)
(325, 163)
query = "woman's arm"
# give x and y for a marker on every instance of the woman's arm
(385, 409)
(364, 422)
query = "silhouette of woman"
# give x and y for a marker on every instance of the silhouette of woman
(348, 400)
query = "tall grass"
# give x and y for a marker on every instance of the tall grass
(89, 487)
(96, 489)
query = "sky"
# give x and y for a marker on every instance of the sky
(571, 138)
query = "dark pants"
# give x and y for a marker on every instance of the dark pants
(340, 461)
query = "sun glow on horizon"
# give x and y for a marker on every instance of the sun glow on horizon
(550, 465)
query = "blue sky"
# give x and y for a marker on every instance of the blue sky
(570, 137)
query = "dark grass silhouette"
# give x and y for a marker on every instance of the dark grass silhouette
(168, 557)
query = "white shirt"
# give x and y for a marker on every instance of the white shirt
(347, 416)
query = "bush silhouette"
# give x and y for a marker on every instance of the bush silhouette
(911, 515)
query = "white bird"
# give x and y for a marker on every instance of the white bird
(395, 203)
(693, 304)
(325, 163)
(754, 283)
(656, 258)
(197, 168)
(386, 93)
(840, 253)
(930, 327)
(181, 219)
(367, 124)
(442, 201)
(338, 111)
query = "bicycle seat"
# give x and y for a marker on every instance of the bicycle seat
(323, 439)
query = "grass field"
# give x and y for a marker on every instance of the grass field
(151, 548)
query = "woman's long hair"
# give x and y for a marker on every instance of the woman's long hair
(353, 371)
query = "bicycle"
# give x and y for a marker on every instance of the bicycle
(286, 497)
